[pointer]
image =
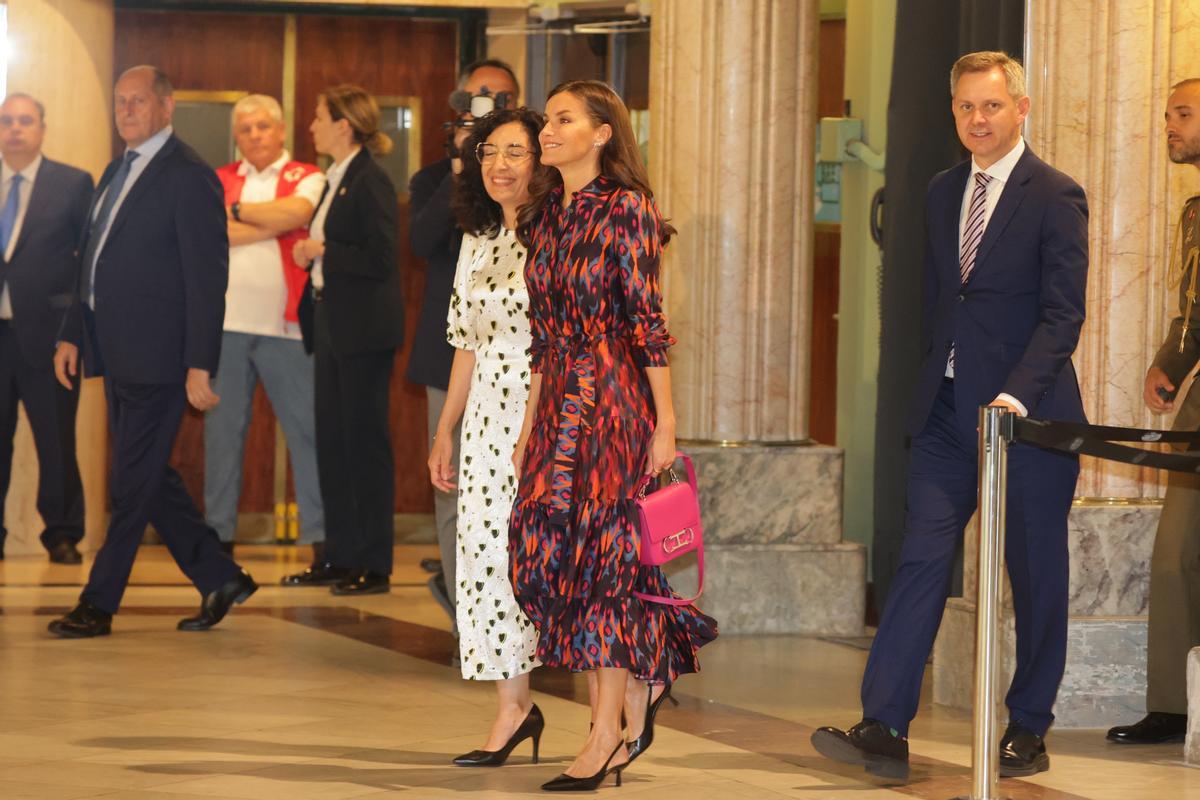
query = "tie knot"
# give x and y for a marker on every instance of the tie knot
(982, 179)
(17, 178)
(130, 155)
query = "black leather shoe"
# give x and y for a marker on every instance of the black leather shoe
(65, 552)
(217, 604)
(362, 583)
(83, 622)
(643, 741)
(1157, 727)
(319, 574)
(432, 565)
(1022, 753)
(589, 783)
(869, 744)
(530, 728)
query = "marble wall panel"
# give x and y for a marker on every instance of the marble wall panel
(1191, 746)
(770, 495)
(733, 120)
(1099, 75)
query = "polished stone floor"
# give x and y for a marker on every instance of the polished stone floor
(299, 694)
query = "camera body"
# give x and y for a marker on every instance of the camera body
(470, 107)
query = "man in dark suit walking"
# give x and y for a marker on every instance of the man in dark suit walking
(41, 222)
(1005, 274)
(148, 317)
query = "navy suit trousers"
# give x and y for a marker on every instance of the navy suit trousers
(942, 492)
(144, 419)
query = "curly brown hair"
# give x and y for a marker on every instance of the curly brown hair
(477, 213)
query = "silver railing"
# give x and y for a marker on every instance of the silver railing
(993, 474)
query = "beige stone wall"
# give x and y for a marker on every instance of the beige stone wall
(1099, 76)
(64, 51)
(732, 117)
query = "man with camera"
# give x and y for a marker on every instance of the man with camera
(482, 87)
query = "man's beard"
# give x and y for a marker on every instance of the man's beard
(1187, 151)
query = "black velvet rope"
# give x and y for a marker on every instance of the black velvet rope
(1098, 441)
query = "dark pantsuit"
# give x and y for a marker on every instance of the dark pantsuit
(144, 419)
(354, 452)
(51, 412)
(942, 492)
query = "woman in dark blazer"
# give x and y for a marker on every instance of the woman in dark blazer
(353, 319)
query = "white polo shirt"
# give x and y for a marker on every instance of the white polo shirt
(257, 295)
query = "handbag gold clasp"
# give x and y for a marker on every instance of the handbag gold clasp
(677, 540)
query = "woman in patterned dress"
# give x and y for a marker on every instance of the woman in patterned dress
(489, 327)
(599, 416)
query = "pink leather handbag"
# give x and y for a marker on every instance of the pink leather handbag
(669, 519)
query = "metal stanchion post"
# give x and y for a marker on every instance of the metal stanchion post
(993, 473)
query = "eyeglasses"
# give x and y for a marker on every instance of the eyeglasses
(512, 153)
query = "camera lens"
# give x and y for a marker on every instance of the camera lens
(482, 104)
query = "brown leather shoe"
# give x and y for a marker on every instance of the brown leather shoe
(65, 552)
(83, 622)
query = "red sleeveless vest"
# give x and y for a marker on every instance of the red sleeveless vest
(290, 176)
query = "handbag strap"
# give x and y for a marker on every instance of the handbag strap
(677, 601)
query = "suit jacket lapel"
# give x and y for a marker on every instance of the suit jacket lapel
(38, 199)
(1010, 199)
(140, 186)
(952, 216)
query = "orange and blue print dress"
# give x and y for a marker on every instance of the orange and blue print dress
(596, 320)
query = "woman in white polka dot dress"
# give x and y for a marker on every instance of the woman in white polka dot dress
(489, 327)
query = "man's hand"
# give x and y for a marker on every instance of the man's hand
(1157, 379)
(66, 363)
(1000, 402)
(199, 391)
(460, 138)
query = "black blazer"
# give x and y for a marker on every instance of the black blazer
(160, 277)
(434, 237)
(362, 295)
(44, 267)
(1015, 323)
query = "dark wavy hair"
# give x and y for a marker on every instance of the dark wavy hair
(477, 213)
(620, 158)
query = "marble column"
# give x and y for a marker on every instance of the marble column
(732, 127)
(1099, 75)
(63, 55)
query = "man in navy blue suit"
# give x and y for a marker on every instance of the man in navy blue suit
(1006, 262)
(149, 313)
(41, 221)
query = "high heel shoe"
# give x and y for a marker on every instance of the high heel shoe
(642, 742)
(568, 783)
(531, 728)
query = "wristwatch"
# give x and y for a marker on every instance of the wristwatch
(236, 210)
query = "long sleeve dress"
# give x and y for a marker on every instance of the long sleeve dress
(597, 324)
(487, 316)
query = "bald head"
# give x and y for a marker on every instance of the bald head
(1183, 123)
(143, 101)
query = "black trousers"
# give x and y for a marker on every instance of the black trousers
(144, 419)
(51, 412)
(354, 452)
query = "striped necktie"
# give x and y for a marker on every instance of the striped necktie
(972, 233)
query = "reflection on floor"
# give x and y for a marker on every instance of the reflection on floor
(300, 694)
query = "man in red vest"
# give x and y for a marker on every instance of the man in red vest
(270, 200)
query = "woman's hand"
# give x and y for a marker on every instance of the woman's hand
(518, 456)
(662, 448)
(441, 471)
(305, 251)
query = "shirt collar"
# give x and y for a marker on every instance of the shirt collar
(275, 167)
(149, 148)
(339, 169)
(29, 174)
(1003, 168)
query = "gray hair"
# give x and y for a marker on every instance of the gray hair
(23, 96)
(986, 61)
(257, 102)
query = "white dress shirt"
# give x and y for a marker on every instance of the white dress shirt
(999, 173)
(257, 296)
(316, 231)
(146, 151)
(28, 176)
